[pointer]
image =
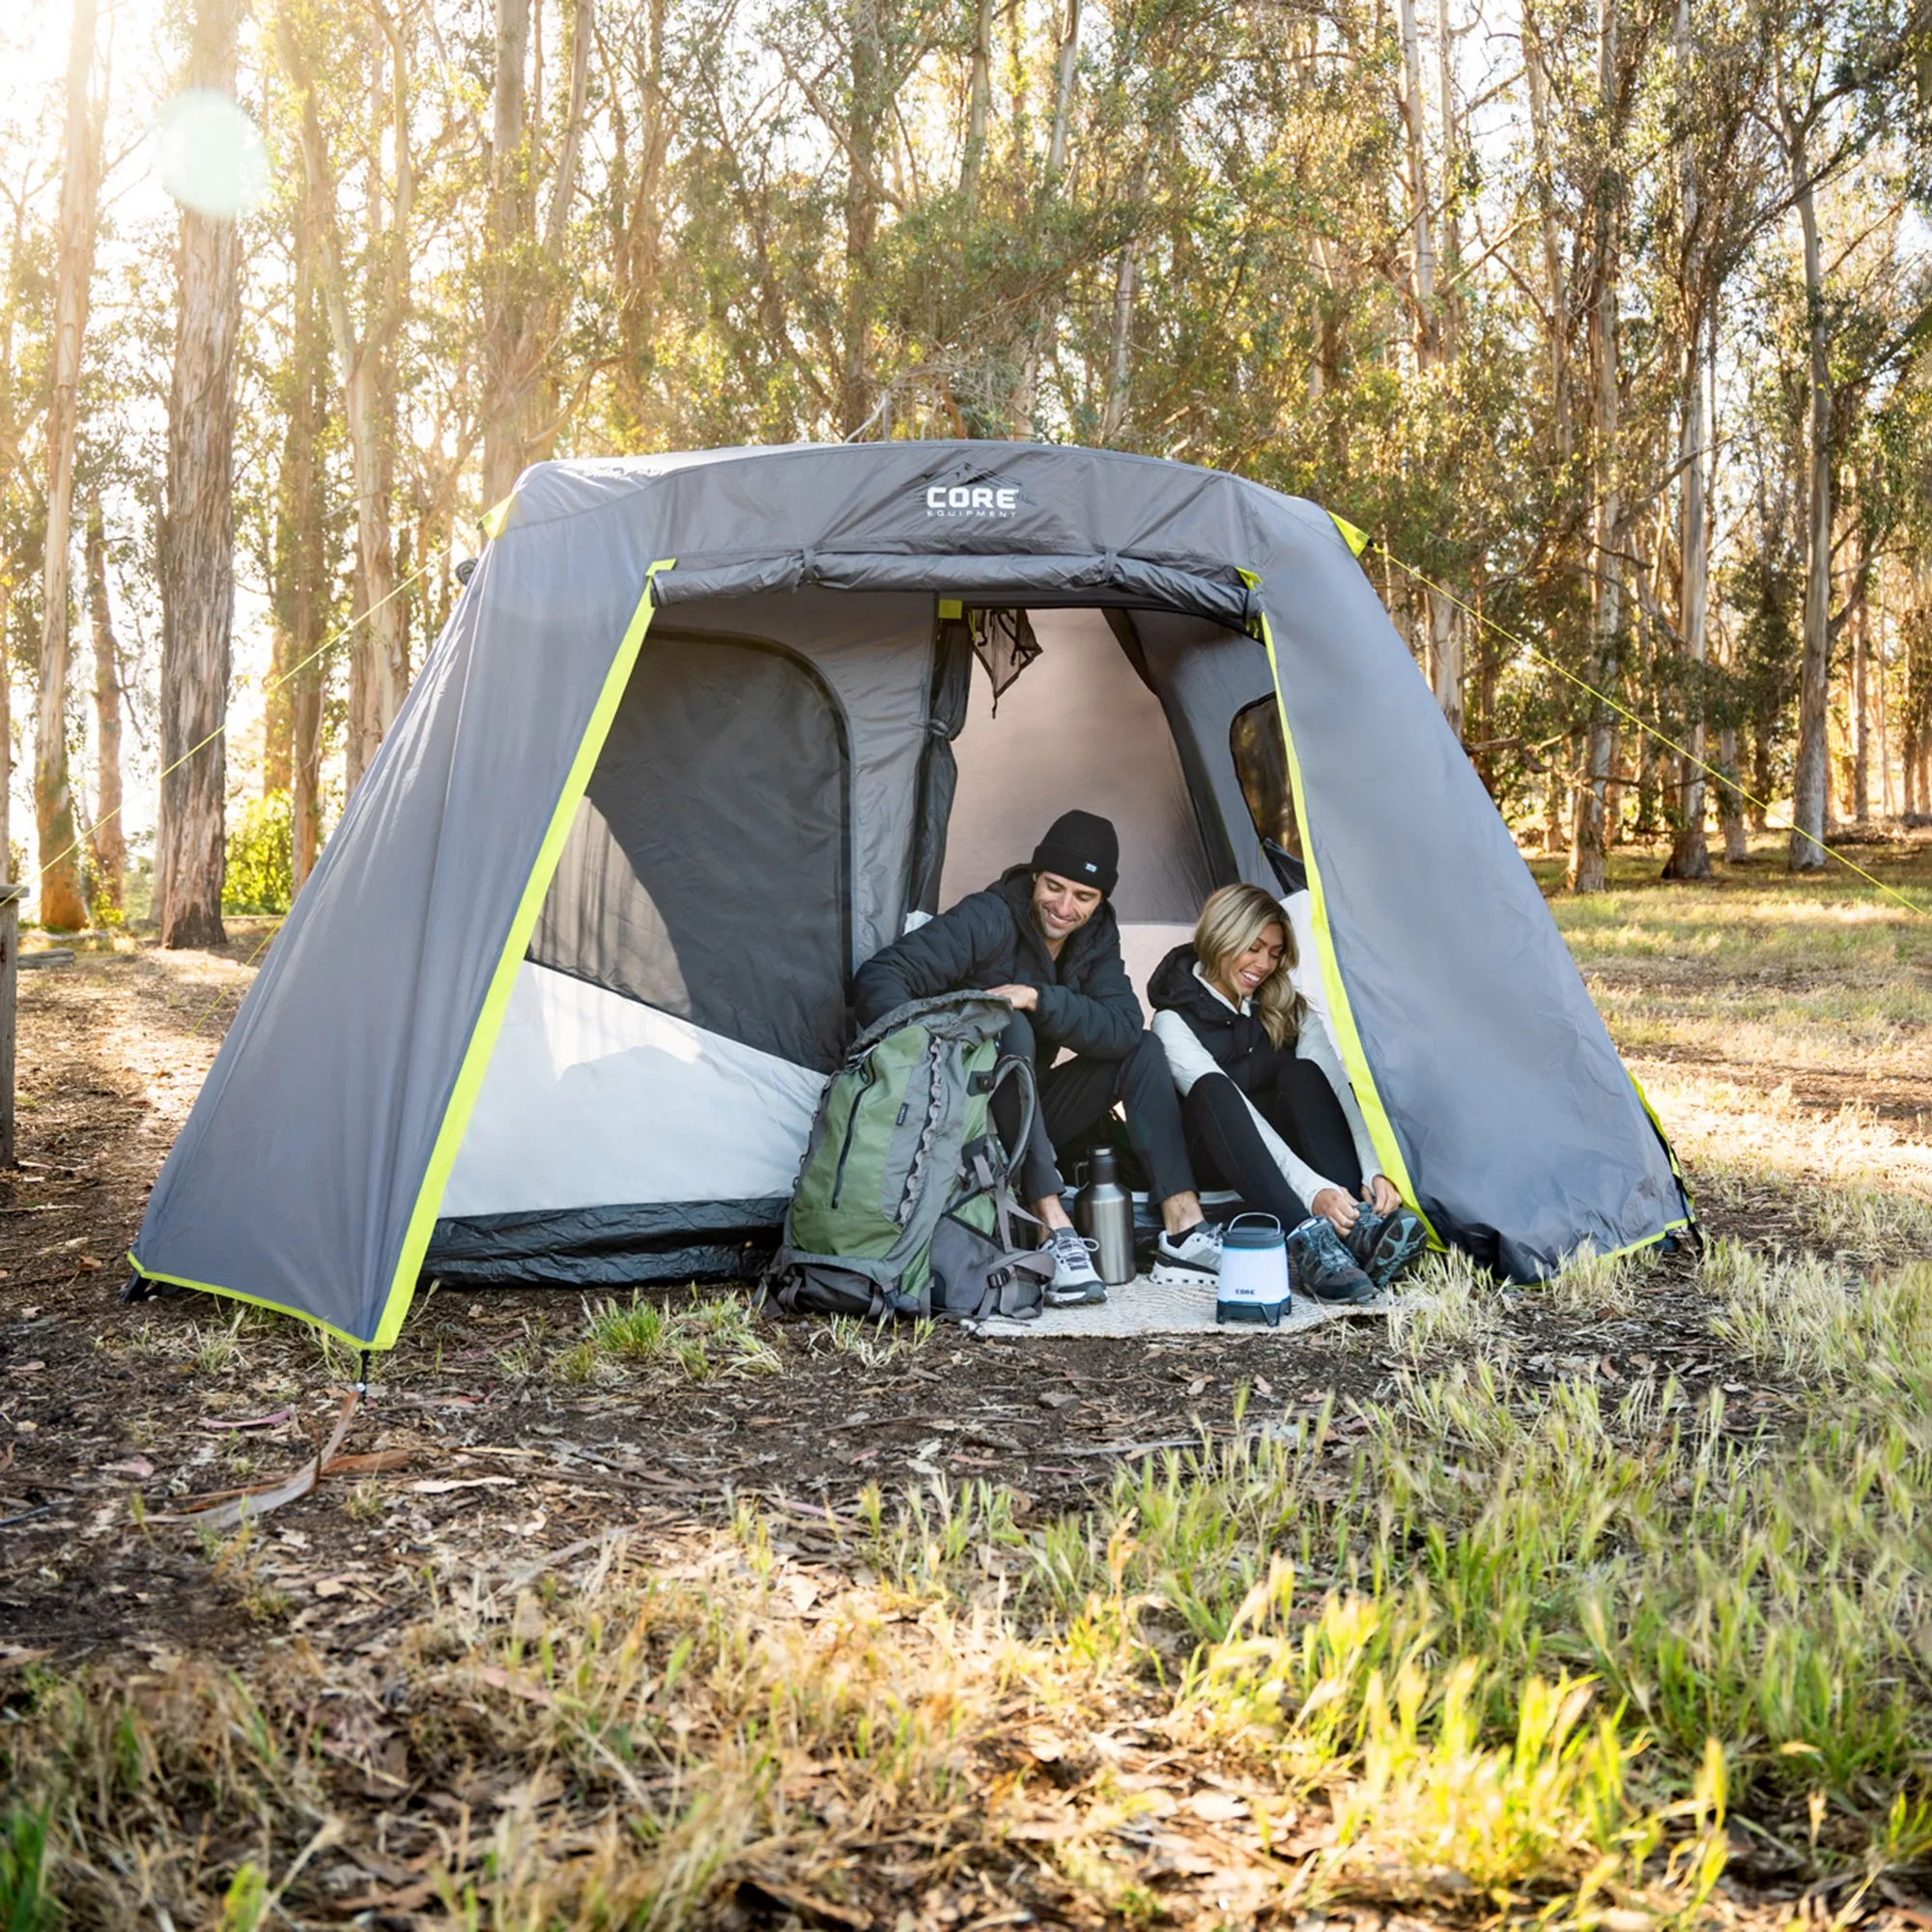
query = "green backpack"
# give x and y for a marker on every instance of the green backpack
(904, 1203)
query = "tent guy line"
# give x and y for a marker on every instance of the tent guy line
(1712, 772)
(328, 643)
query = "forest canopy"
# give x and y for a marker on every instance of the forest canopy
(1608, 325)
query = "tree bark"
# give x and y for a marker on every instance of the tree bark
(61, 904)
(1689, 855)
(979, 99)
(1808, 786)
(1064, 69)
(510, 224)
(1730, 803)
(1587, 838)
(378, 670)
(109, 835)
(1446, 628)
(1861, 713)
(301, 553)
(198, 552)
(1557, 320)
(1120, 347)
(861, 213)
(1422, 238)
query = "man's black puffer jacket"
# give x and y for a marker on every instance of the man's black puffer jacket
(1087, 1002)
(1239, 1041)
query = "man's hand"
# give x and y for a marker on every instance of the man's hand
(1023, 999)
(1335, 1208)
(1380, 1195)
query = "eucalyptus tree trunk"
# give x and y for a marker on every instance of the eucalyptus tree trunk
(1119, 348)
(1448, 630)
(198, 547)
(511, 160)
(61, 904)
(378, 670)
(302, 558)
(978, 103)
(861, 212)
(1809, 785)
(1861, 712)
(108, 837)
(1689, 855)
(1587, 838)
(1065, 70)
(1556, 292)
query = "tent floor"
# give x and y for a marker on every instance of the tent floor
(1144, 1307)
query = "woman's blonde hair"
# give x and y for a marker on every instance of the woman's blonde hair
(1231, 922)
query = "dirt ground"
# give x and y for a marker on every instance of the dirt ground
(501, 1452)
(110, 1414)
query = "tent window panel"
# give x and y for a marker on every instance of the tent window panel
(1261, 764)
(708, 874)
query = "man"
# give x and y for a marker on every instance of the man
(1046, 939)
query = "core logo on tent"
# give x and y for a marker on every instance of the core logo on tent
(972, 499)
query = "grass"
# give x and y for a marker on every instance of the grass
(1493, 1644)
(709, 1338)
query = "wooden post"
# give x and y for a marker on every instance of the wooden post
(9, 982)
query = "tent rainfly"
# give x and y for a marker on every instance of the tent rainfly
(705, 732)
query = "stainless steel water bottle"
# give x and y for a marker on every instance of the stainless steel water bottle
(1104, 1210)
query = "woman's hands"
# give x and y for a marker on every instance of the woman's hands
(1381, 1194)
(1023, 999)
(1335, 1208)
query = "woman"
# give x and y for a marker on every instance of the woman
(1266, 1106)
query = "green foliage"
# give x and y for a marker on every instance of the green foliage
(24, 1905)
(259, 878)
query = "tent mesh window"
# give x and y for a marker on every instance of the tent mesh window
(708, 874)
(1261, 764)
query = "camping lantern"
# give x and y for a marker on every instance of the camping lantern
(1254, 1271)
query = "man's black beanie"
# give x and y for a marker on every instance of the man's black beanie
(1081, 846)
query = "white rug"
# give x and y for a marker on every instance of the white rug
(1148, 1308)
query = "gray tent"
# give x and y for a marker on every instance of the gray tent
(705, 730)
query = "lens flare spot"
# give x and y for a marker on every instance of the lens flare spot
(209, 155)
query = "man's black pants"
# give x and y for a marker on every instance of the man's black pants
(1228, 1151)
(1078, 1094)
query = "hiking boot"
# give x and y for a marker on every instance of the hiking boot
(1320, 1267)
(1384, 1244)
(1190, 1260)
(1076, 1282)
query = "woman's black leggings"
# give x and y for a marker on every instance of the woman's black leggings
(1227, 1148)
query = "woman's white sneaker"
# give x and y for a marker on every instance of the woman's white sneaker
(1076, 1282)
(1190, 1260)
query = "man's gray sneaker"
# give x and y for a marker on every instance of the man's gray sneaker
(1190, 1260)
(1384, 1244)
(1076, 1281)
(1320, 1267)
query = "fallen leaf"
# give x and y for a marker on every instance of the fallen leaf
(501, 1679)
(440, 1486)
(27, 1368)
(1217, 1808)
(1057, 1398)
(88, 1266)
(253, 1421)
(137, 1466)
